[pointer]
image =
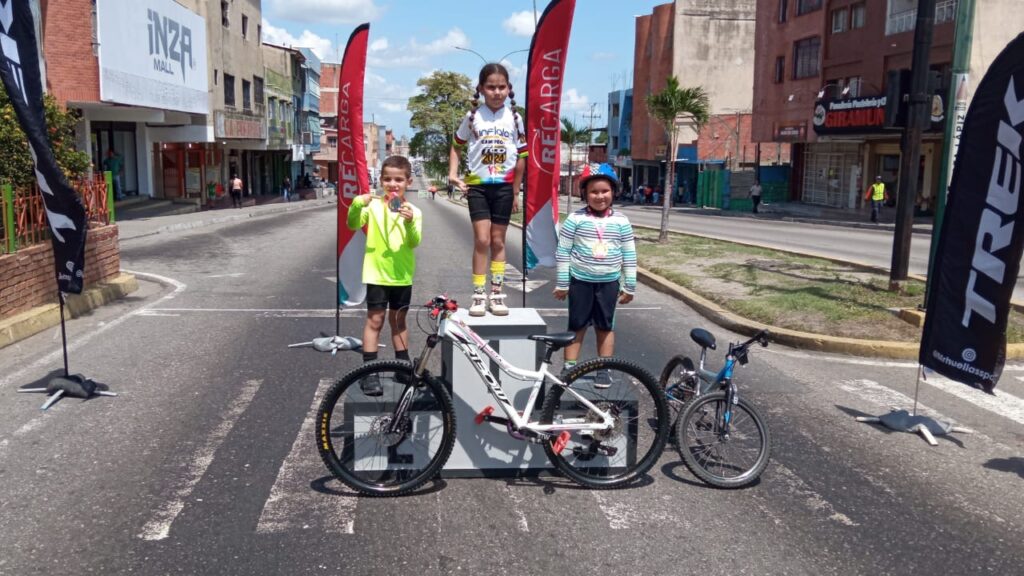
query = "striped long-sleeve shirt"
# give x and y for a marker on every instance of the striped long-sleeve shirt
(596, 249)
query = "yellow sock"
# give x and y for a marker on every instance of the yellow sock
(478, 282)
(497, 275)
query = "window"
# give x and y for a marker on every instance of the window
(615, 110)
(805, 57)
(224, 13)
(332, 141)
(780, 69)
(259, 33)
(783, 10)
(257, 86)
(857, 15)
(840, 20)
(805, 6)
(215, 74)
(855, 84)
(271, 108)
(229, 90)
(246, 96)
(245, 26)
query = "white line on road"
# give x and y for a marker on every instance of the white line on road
(824, 357)
(82, 339)
(517, 507)
(327, 312)
(159, 527)
(619, 514)
(292, 503)
(887, 398)
(813, 500)
(231, 275)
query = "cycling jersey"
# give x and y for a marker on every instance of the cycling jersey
(494, 145)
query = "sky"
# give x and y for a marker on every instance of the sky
(409, 39)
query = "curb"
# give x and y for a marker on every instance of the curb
(221, 219)
(33, 321)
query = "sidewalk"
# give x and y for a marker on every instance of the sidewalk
(804, 213)
(148, 226)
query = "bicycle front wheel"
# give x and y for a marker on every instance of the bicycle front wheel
(360, 446)
(730, 459)
(623, 453)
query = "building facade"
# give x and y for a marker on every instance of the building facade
(327, 157)
(620, 122)
(707, 43)
(309, 112)
(831, 76)
(284, 90)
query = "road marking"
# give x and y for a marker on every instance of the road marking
(327, 312)
(822, 356)
(619, 514)
(292, 503)
(232, 275)
(816, 502)
(1003, 404)
(517, 507)
(887, 398)
(159, 527)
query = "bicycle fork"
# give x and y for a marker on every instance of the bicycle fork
(419, 372)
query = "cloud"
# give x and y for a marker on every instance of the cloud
(392, 106)
(603, 56)
(572, 100)
(325, 11)
(520, 24)
(322, 47)
(414, 54)
(379, 45)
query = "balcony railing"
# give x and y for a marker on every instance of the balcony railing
(905, 21)
(23, 215)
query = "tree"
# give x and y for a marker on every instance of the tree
(16, 161)
(572, 135)
(601, 138)
(671, 107)
(436, 113)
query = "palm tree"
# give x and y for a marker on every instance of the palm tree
(572, 135)
(671, 107)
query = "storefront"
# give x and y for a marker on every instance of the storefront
(855, 144)
(193, 170)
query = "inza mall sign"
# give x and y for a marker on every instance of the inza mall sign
(152, 53)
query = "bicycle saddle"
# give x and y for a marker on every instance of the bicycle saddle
(703, 338)
(555, 341)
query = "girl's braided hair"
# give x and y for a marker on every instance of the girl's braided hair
(485, 73)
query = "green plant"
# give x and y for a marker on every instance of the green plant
(15, 159)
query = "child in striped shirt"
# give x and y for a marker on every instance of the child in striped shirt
(596, 267)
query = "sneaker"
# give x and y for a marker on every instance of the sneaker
(370, 385)
(496, 304)
(602, 379)
(479, 306)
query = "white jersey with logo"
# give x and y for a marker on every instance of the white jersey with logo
(494, 145)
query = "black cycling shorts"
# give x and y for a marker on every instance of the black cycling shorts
(592, 303)
(490, 202)
(383, 297)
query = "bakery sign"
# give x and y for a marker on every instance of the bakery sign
(850, 115)
(234, 125)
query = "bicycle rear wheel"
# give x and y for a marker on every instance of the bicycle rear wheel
(730, 460)
(611, 458)
(352, 430)
(677, 376)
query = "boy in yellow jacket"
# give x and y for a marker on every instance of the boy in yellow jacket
(393, 229)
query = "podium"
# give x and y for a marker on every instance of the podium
(487, 450)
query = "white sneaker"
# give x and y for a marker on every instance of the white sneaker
(479, 307)
(496, 304)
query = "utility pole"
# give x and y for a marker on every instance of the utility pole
(590, 127)
(956, 112)
(910, 147)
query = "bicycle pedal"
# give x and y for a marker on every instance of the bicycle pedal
(484, 414)
(561, 442)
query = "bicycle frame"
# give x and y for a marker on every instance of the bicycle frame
(470, 343)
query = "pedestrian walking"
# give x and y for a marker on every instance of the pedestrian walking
(394, 227)
(114, 163)
(286, 188)
(495, 143)
(236, 191)
(755, 194)
(877, 194)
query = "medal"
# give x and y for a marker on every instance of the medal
(600, 249)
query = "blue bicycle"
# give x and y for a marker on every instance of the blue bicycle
(722, 438)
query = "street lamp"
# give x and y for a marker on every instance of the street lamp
(485, 60)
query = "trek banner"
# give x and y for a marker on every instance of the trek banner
(353, 178)
(19, 68)
(545, 78)
(982, 236)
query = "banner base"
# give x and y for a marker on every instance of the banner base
(903, 421)
(74, 385)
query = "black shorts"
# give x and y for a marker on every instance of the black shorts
(383, 297)
(490, 202)
(592, 303)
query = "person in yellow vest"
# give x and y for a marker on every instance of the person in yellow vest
(877, 194)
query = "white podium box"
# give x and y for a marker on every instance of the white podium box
(487, 449)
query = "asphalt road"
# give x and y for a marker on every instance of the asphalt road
(873, 247)
(205, 464)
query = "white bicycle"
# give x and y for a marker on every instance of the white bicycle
(603, 424)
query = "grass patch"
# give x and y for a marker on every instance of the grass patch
(796, 292)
